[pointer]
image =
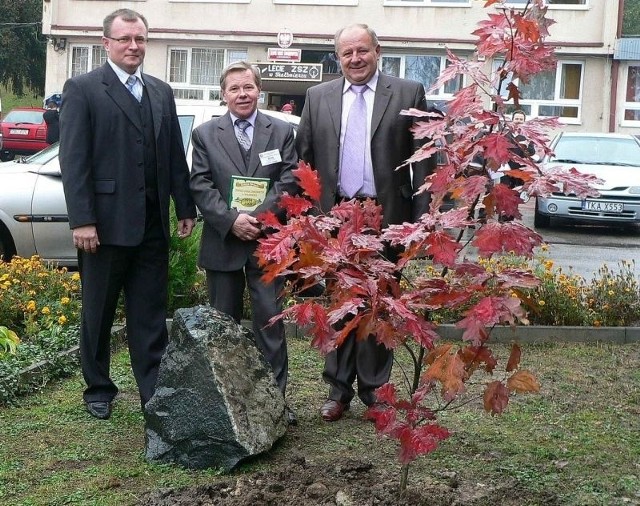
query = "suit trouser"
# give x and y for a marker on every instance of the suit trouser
(226, 290)
(142, 273)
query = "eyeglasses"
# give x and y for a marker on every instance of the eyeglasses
(140, 41)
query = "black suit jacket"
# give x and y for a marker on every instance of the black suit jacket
(318, 143)
(101, 156)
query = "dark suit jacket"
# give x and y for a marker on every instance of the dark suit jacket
(101, 156)
(216, 157)
(318, 143)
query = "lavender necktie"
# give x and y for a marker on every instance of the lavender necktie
(131, 86)
(242, 135)
(355, 144)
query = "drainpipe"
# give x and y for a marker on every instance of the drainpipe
(615, 70)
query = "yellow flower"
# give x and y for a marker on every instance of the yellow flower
(46, 310)
(31, 305)
(62, 320)
(597, 323)
(65, 300)
(75, 276)
(541, 303)
(610, 292)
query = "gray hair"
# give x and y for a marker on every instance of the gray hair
(238, 66)
(366, 28)
(127, 15)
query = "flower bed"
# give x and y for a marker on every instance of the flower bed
(41, 304)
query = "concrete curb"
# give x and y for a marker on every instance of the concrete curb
(527, 334)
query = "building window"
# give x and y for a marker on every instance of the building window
(86, 58)
(427, 3)
(194, 73)
(554, 3)
(632, 95)
(425, 69)
(316, 2)
(556, 92)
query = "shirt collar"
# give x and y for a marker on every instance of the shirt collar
(251, 119)
(122, 75)
(372, 83)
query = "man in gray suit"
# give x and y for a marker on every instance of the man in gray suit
(338, 152)
(122, 159)
(242, 162)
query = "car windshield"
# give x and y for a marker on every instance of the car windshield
(34, 117)
(42, 157)
(597, 150)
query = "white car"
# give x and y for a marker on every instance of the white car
(614, 158)
(33, 212)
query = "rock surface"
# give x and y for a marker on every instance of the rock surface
(216, 402)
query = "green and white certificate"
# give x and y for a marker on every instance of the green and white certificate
(247, 193)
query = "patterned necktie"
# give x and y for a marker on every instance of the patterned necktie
(133, 89)
(355, 145)
(241, 134)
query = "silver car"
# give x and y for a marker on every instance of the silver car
(33, 212)
(614, 158)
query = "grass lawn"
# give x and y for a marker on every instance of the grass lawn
(575, 443)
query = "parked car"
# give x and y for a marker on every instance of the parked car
(33, 212)
(614, 158)
(24, 132)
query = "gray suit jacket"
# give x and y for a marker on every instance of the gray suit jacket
(217, 157)
(318, 143)
(101, 156)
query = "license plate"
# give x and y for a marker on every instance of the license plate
(18, 131)
(605, 207)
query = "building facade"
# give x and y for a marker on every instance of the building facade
(595, 86)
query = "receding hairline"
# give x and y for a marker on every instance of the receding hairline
(362, 26)
(128, 15)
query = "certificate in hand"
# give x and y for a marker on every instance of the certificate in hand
(247, 193)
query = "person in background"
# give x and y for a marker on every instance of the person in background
(245, 148)
(52, 118)
(122, 159)
(360, 112)
(521, 147)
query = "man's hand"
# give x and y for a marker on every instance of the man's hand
(185, 227)
(246, 227)
(85, 238)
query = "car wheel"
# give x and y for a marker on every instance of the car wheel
(7, 248)
(6, 156)
(540, 220)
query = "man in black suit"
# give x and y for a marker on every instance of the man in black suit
(325, 142)
(244, 149)
(122, 159)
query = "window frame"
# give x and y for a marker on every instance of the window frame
(186, 90)
(626, 105)
(442, 95)
(348, 3)
(568, 7)
(91, 65)
(427, 3)
(533, 105)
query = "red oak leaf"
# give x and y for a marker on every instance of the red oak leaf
(474, 356)
(449, 370)
(514, 358)
(294, 205)
(523, 381)
(495, 398)
(506, 237)
(442, 248)
(308, 180)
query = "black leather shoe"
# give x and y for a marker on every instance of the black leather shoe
(292, 419)
(332, 411)
(99, 409)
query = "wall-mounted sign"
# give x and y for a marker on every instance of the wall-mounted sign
(285, 38)
(284, 54)
(290, 71)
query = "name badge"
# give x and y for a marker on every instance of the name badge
(269, 157)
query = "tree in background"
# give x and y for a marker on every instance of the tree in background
(631, 18)
(22, 46)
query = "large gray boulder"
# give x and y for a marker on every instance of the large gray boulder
(216, 401)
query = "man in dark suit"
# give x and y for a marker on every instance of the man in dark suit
(122, 158)
(244, 149)
(326, 141)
